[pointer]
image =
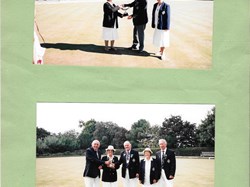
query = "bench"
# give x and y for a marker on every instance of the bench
(207, 154)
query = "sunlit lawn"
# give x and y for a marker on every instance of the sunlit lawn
(67, 172)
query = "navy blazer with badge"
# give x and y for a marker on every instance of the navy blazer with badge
(110, 174)
(140, 15)
(169, 165)
(163, 17)
(110, 15)
(93, 161)
(133, 165)
(154, 171)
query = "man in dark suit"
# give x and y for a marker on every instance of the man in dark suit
(130, 161)
(93, 162)
(166, 159)
(140, 19)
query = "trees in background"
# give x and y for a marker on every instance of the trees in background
(206, 130)
(54, 143)
(86, 136)
(139, 131)
(178, 133)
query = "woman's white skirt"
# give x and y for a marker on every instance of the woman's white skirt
(109, 33)
(161, 38)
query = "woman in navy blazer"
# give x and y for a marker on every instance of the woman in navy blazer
(110, 23)
(161, 23)
(149, 169)
(109, 174)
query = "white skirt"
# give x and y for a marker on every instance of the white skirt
(161, 38)
(38, 51)
(109, 33)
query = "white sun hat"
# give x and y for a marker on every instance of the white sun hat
(147, 149)
(110, 147)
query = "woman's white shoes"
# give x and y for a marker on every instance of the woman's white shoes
(163, 57)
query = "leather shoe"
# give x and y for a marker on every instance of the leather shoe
(133, 47)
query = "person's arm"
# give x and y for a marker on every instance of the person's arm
(107, 8)
(130, 4)
(153, 16)
(167, 12)
(120, 161)
(137, 164)
(117, 165)
(140, 172)
(92, 158)
(157, 170)
(173, 165)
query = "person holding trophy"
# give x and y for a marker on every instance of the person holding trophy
(109, 174)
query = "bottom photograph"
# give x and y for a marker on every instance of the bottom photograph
(125, 145)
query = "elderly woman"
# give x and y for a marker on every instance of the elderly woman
(109, 174)
(161, 23)
(110, 24)
(149, 170)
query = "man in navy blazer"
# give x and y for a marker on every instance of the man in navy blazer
(166, 159)
(130, 161)
(140, 19)
(93, 162)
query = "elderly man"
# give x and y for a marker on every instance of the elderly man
(166, 159)
(140, 19)
(130, 161)
(93, 162)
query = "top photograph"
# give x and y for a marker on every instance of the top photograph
(172, 34)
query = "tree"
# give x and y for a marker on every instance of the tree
(109, 133)
(151, 137)
(206, 130)
(178, 133)
(119, 138)
(86, 136)
(138, 132)
(41, 133)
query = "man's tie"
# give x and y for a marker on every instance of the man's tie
(97, 154)
(127, 158)
(162, 159)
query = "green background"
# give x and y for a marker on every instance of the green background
(226, 85)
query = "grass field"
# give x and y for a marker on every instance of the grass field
(72, 33)
(67, 172)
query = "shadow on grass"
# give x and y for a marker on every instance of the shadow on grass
(94, 49)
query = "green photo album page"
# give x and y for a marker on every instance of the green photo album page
(91, 89)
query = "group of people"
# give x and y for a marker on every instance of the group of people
(160, 21)
(158, 171)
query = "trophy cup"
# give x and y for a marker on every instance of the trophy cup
(111, 165)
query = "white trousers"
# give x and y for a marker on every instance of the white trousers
(109, 184)
(127, 182)
(164, 182)
(92, 182)
(152, 185)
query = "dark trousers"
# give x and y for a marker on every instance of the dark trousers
(138, 36)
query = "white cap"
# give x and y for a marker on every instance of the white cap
(110, 147)
(147, 149)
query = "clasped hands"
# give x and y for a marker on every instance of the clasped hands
(125, 13)
(109, 164)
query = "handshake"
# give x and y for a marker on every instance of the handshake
(110, 164)
(122, 7)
